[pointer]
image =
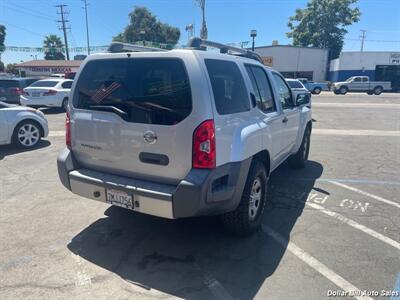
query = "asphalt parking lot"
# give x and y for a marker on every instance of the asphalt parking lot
(333, 227)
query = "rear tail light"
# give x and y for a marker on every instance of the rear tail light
(68, 130)
(15, 91)
(204, 154)
(50, 93)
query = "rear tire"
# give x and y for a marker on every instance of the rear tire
(27, 134)
(64, 104)
(299, 160)
(246, 218)
(317, 91)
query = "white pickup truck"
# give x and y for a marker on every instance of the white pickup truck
(361, 84)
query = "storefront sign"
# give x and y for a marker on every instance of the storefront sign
(46, 71)
(268, 60)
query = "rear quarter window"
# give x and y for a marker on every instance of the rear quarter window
(139, 90)
(230, 93)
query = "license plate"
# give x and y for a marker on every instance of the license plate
(35, 94)
(119, 198)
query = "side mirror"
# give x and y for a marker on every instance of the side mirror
(303, 99)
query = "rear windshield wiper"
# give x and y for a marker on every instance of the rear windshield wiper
(109, 108)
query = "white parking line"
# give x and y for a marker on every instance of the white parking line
(56, 133)
(352, 132)
(395, 204)
(355, 225)
(215, 287)
(315, 264)
(357, 105)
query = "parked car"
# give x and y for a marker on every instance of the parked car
(22, 126)
(11, 88)
(361, 84)
(314, 87)
(182, 133)
(50, 92)
(296, 85)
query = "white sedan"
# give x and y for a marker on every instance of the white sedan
(22, 126)
(51, 92)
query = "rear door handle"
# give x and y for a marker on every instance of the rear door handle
(285, 119)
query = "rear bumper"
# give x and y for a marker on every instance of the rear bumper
(40, 102)
(10, 99)
(200, 193)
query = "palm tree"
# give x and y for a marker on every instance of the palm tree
(2, 38)
(53, 48)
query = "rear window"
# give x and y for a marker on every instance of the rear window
(44, 83)
(8, 83)
(66, 85)
(139, 90)
(228, 86)
(294, 84)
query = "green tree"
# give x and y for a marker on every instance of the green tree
(11, 69)
(54, 48)
(2, 37)
(144, 26)
(323, 24)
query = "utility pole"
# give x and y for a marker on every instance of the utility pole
(362, 37)
(87, 25)
(64, 27)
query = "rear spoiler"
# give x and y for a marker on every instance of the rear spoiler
(118, 47)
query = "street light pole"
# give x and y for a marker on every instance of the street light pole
(253, 34)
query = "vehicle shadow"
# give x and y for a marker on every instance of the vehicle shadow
(52, 110)
(186, 258)
(8, 150)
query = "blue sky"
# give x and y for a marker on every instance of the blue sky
(27, 21)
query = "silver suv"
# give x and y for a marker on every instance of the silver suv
(182, 133)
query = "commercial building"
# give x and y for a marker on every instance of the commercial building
(296, 62)
(40, 68)
(379, 66)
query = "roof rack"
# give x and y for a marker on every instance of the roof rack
(118, 47)
(201, 44)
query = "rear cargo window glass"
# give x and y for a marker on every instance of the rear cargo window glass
(44, 83)
(139, 90)
(228, 87)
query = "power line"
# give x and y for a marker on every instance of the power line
(28, 12)
(64, 27)
(378, 41)
(22, 28)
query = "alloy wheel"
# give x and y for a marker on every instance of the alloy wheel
(28, 135)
